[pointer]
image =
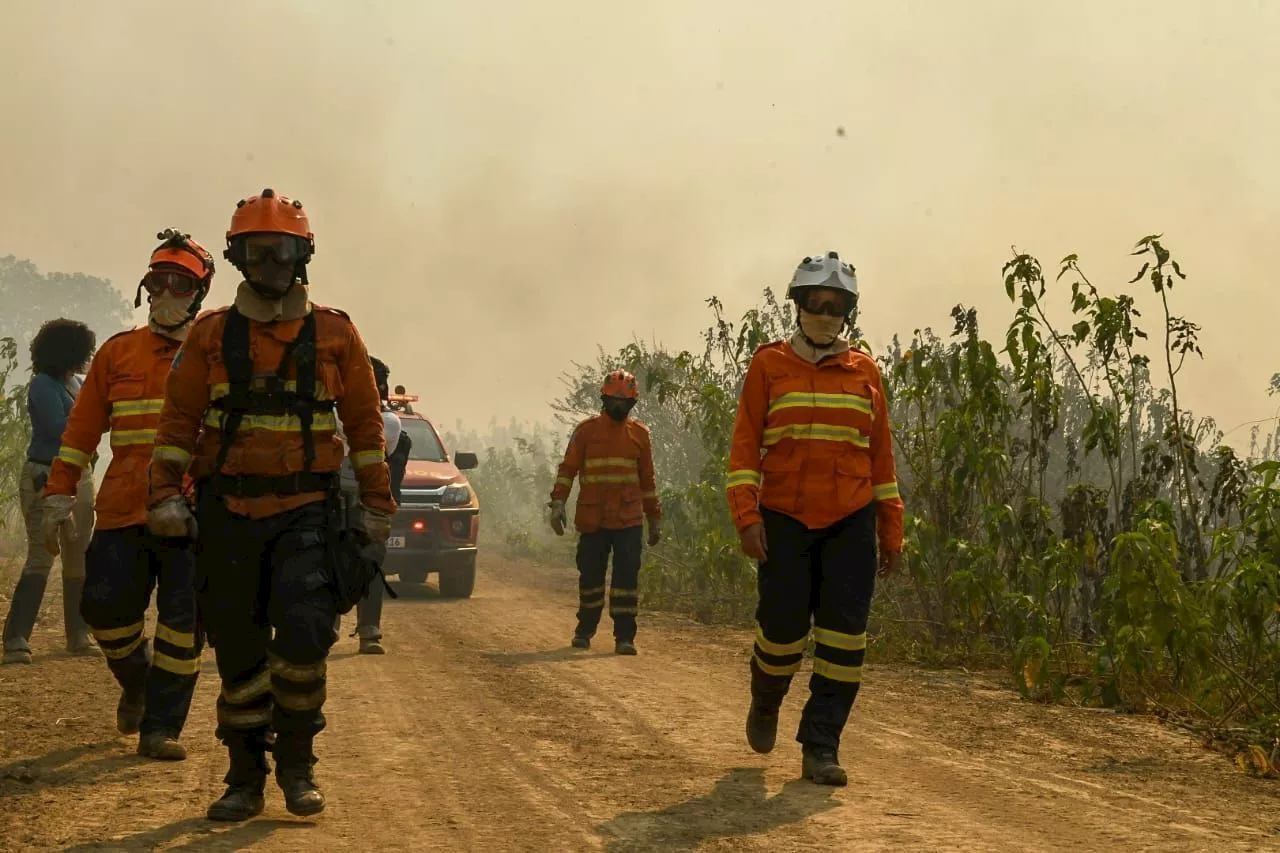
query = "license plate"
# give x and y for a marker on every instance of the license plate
(395, 541)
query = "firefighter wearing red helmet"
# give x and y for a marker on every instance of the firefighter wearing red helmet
(122, 394)
(612, 458)
(251, 409)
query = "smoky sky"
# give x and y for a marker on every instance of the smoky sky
(497, 188)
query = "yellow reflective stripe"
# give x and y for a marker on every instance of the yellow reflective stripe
(886, 491)
(587, 593)
(278, 423)
(122, 652)
(238, 719)
(623, 611)
(649, 495)
(300, 701)
(178, 666)
(836, 640)
(240, 694)
(222, 389)
(297, 671)
(612, 461)
(71, 456)
(770, 669)
(743, 477)
(127, 408)
(364, 458)
(181, 639)
(110, 634)
(811, 400)
(816, 432)
(564, 481)
(625, 479)
(128, 437)
(847, 674)
(623, 593)
(771, 648)
(169, 453)
(593, 604)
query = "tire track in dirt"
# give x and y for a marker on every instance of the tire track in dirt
(481, 730)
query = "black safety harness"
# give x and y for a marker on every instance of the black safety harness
(270, 397)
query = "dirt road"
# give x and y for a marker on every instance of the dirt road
(481, 730)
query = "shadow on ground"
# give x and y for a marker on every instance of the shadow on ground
(738, 805)
(208, 836)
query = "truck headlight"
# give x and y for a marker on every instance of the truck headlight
(456, 495)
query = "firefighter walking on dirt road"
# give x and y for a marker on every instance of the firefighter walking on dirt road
(612, 458)
(123, 393)
(251, 407)
(812, 485)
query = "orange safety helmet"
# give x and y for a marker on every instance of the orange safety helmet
(269, 213)
(620, 383)
(178, 249)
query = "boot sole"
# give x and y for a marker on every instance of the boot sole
(830, 781)
(214, 813)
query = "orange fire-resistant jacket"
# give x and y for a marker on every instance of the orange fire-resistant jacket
(122, 393)
(613, 462)
(812, 441)
(188, 432)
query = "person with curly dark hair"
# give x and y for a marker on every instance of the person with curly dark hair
(59, 350)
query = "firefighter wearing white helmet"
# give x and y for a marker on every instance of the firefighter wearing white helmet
(813, 493)
(825, 291)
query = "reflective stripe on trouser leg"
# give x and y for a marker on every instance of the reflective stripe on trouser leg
(175, 660)
(114, 599)
(245, 701)
(783, 585)
(593, 566)
(624, 593)
(846, 573)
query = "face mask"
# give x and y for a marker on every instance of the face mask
(820, 328)
(271, 279)
(618, 410)
(168, 310)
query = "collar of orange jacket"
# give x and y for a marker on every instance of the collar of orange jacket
(801, 348)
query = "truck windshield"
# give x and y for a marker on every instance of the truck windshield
(426, 444)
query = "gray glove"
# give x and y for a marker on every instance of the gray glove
(558, 518)
(172, 519)
(375, 523)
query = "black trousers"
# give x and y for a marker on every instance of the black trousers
(269, 609)
(822, 579)
(122, 569)
(624, 593)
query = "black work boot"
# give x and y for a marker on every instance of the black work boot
(79, 641)
(130, 710)
(581, 642)
(762, 726)
(23, 610)
(624, 647)
(821, 765)
(294, 762)
(246, 780)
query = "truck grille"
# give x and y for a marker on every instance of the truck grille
(420, 497)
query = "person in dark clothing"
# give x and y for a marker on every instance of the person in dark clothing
(59, 350)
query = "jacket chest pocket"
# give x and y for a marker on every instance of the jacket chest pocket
(859, 399)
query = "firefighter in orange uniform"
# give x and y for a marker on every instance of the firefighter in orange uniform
(122, 393)
(812, 487)
(611, 456)
(251, 409)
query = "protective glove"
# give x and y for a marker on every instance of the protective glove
(655, 531)
(172, 519)
(558, 518)
(375, 523)
(55, 517)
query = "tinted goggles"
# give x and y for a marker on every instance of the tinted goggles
(830, 304)
(179, 284)
(282, 248)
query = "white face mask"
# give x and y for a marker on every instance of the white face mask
(820, 328)
(169, 310)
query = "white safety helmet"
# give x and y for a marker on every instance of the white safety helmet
(824, 271)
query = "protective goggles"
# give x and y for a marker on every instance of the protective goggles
(179, 284)
(830, 304)
(282, 248)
